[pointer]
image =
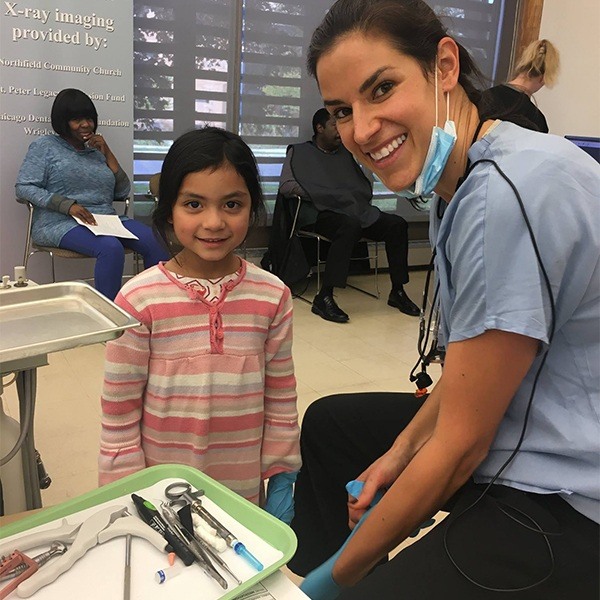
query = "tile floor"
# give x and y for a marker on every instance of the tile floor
(374, 351)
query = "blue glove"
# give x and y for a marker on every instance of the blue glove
(280, 496)
(354, 488)
(319, 583)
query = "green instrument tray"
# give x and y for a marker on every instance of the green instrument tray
(268, 528)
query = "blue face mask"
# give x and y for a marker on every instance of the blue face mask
(440, 147)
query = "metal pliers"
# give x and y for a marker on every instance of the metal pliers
(102, 526)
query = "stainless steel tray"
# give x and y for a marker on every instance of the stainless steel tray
(40, 319)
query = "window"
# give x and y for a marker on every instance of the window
(241, 65)
(277, 98)
(483, 27)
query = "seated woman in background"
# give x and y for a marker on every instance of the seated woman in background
(538, 66)
(75, 174)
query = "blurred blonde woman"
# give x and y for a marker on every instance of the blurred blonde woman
(538, 66)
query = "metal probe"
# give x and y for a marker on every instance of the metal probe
(127, 579)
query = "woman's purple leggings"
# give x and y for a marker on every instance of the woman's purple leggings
(109, 252)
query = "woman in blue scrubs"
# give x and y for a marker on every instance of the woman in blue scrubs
(509, 439)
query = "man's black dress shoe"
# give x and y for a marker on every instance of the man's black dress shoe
(398, 299)
(326, 308)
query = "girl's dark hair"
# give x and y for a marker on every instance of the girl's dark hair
(410, 26)
(198, 150)
(71, 104)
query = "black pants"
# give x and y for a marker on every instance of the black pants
(343, 434)
(345, 231)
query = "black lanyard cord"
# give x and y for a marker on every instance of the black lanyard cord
(536, 527)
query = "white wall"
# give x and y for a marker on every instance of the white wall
(572, 106)
(44, 49)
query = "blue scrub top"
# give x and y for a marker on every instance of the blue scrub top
(490, 279)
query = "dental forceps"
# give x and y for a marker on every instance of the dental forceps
(194, 539)
(183, 490)
(202, 557)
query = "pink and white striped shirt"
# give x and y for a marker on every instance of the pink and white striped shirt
(210, 385)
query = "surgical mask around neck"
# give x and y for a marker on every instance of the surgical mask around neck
(441, 145)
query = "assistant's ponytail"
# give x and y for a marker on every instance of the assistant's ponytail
(539, 59)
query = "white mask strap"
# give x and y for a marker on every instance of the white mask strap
(436, 96)
(436, 102)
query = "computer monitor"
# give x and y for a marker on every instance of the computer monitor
(591, 145)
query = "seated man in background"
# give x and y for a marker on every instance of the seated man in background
(322, 172)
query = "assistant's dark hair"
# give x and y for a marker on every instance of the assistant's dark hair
(320, 118)
(410, 26)
(207, 148)
(71, 104)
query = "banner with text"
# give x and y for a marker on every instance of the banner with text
(46, 46)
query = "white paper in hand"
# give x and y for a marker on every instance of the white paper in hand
(108, 225)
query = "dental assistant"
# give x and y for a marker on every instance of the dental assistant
(508, 441)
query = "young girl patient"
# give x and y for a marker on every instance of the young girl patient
(207, 380)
